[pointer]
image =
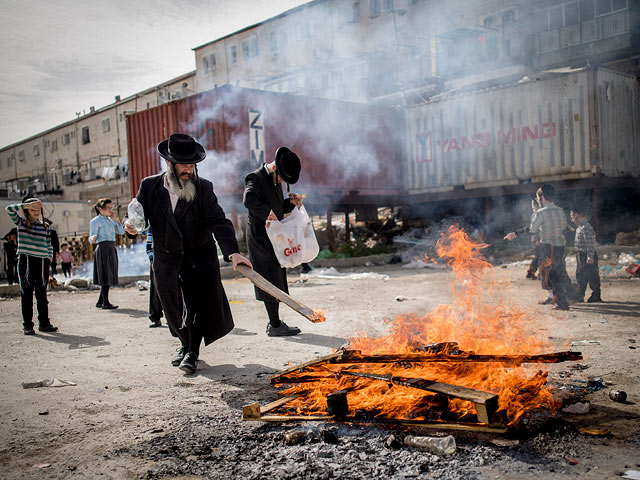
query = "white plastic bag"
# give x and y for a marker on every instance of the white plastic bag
(293, 239)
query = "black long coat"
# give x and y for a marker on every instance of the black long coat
(185, 257)
(261, 196)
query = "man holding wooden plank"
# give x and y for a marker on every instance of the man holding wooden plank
(265, 200)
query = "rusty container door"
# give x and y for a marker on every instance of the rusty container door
(618, 114)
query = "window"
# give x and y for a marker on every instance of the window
(106, 125)
(255, 47)
(273, 42)
(85, 135)
(209, 63)
(374, 8)
(304, 30)
(387, 5)
(508, 16)
(36, 150)
(349, 13)
(54, 145)
(571, 14)
(245, 50)
(21, 155)
(10, 160)
(65, 139)
(284, 39)
(234, 54)
(0, 164)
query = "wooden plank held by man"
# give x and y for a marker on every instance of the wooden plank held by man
(262, 283)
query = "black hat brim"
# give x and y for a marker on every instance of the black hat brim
(198, 156)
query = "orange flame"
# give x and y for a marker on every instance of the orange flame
(471, 320)
(318, 316)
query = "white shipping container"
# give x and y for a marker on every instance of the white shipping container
(564, 126)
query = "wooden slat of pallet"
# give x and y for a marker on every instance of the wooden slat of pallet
(486, 403)
(254, 410)
(354, 356)
(331, 358)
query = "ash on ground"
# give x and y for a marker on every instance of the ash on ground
(226, 447)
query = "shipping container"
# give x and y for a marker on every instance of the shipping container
(554, 128)
(345, 148)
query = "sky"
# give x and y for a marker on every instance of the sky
(64, 56)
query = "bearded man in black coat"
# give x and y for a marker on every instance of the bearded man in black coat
(183, 212)
(264, 198)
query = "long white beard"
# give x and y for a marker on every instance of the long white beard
(188, 190)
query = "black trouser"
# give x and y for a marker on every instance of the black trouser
(587, 273)
(12, 274)
(553, 273)
(33, 274)
(155, 307)
(535, 263)
(66, 268)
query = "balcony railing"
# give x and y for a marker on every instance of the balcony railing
(589, 31)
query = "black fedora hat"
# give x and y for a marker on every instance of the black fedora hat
(287, 165)
(181, 148)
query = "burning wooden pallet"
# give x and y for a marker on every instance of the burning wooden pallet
(349, 364)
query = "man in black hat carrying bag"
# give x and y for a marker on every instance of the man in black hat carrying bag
(262, 195)
(183, 212)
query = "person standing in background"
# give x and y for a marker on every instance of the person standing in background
(102, 230)
(34, 256)
(10, 247)
(155, 306)
(66, 260)
(55, 243)
(587, 270)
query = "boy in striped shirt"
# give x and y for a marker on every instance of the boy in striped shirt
(34, 257)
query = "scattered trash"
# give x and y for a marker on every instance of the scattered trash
(578, 408)
(618, 396)
(596, 431)
(400, 298)
(504, 442)
(41, 465)
(572, 461)
(632, 474)
(332, 273)
(633, 269)
(627, 259)
(294, 437)
(585, 342)
(393, 442)
(142, 285)
(56, 382)
(45, 412)
(435, 445)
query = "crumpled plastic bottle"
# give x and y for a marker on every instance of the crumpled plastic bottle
(135, 214)
(435, 445)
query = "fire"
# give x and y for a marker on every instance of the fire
(318, 316)
(475, 322)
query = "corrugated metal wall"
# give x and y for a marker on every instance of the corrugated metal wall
(619, 121)
(344, 147)
(533, 130)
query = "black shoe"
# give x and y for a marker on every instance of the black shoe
(593, 299)
(48, 328)
(283, 330)
(108, 306)
(29, 331)
(155, 324)
(562, 306)
(546, 301)
(189, 363)
(182, 351)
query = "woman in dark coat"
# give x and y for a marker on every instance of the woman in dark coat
(263, 194)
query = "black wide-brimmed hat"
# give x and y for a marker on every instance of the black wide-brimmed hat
(181, 148)
(287, 165)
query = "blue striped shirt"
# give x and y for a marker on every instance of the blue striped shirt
(33, 239)
(105, 228)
